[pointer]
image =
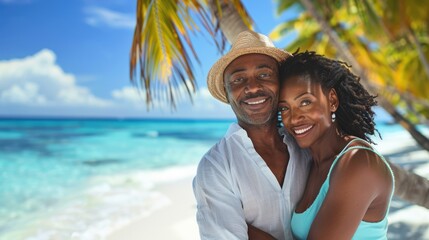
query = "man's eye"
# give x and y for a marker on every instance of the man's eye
(237, 80)
(264, 75)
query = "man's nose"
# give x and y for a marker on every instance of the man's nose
(252, 86)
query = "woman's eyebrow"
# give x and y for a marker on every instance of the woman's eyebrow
(302, 94)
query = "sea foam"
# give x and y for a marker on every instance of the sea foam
(103, 206)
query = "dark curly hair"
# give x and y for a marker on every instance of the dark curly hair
(354, 114)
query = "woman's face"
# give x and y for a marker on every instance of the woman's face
(306, 110)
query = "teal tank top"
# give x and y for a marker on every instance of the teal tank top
(301, 222)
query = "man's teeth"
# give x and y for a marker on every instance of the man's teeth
(301, 131)
(257, 102)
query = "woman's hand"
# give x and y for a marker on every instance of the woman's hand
(257, 234)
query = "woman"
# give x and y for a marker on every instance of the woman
(350, 186)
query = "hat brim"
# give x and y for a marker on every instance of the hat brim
(215, 81)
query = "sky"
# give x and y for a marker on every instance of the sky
(63, 58)
(70, 59)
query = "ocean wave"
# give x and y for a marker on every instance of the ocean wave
(102, 206)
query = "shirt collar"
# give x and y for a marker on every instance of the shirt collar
(235, 129)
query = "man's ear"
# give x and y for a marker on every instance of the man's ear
(333, 100)
(226, 93)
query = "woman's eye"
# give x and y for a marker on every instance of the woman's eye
(283, 109)
(305, 102)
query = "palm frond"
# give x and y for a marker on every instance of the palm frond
(163, 50)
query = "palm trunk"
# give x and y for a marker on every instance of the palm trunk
(413, 38)
(411, 35)
(405, 185)
(408, 186)
(230, 21)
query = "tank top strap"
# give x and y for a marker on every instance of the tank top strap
(347, 148)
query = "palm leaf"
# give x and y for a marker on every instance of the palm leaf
(162, 48)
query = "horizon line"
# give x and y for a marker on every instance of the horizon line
(111, 118)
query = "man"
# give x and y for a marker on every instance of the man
(243, 185)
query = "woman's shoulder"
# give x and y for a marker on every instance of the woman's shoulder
(361, 154)
(361, 164)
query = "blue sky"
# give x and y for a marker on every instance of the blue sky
(71, 59)
(63, 58)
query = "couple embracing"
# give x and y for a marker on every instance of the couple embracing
(316, 176)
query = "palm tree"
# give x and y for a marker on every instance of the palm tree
(162, 29)
(347, 55)
(321, 16)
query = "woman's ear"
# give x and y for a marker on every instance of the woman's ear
(333, 100)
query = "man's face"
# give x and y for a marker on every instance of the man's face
(251, 84)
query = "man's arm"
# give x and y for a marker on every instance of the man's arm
(219, 209)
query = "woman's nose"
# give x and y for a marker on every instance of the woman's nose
(295, 116)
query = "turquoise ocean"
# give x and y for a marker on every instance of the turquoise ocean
(79, 178)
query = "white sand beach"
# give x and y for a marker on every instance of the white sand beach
(177, 219)
(174, 221)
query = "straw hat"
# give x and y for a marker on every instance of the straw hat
(246, 42)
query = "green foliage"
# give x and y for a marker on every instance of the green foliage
(162, 48)
(388, 38)
(285, 5)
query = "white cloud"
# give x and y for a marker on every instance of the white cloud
(27, 93)
(204, 104)
(204, 100)
(133, 96)
(97, 16)
(37, 86)
(38, 81)
(128, 94)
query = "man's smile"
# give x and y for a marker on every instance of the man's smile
(254, 101)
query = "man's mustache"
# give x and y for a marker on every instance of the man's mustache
(255, 95)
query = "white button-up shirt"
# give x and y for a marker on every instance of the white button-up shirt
(234, 186)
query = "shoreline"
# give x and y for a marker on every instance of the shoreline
(117, 206)
(177, 220)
